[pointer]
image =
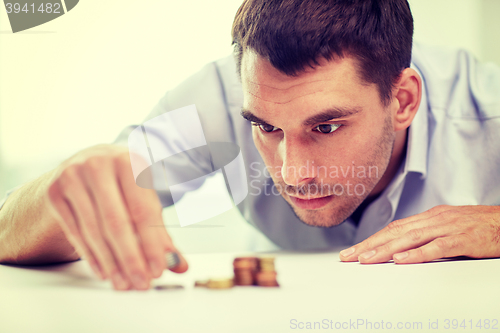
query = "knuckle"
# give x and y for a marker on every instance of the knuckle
(123, 164)
(415, 234)
(123, 160)
(53, 189)
(439, 209)
(53, 193)
(395, 227)
(442, 243)
(129, 157)
(94, 164)
(68, 178)
(386, 248)
(455, 242)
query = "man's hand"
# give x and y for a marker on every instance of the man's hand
(109, 220)
(440, 232)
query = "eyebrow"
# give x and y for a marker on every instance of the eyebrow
(327, 115)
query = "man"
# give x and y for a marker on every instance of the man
(328, 95)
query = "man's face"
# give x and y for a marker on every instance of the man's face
(324, 135)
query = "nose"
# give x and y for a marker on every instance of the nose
(297, 168)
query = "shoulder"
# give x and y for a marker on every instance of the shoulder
(457, 84)
(205, 86)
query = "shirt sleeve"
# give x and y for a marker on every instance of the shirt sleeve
(204, 90)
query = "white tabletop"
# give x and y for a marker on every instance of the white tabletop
(315, 287)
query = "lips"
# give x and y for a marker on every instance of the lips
(311, 204)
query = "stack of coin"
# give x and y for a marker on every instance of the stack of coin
(266, 275)
(248, 271)
(245, 269)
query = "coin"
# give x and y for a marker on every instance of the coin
(220, 283)
(201, 283)
(172, 260)
(266, 264)
(168, 287)
(267, 279)
(224, 283)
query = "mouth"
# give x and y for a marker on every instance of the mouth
(312, 203)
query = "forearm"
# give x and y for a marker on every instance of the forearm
(28, 233)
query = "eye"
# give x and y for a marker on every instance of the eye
(267, 128)
(327, 128)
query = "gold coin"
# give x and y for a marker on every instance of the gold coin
(220, 283)
(201, 283)
(267, 259)
(267, 267)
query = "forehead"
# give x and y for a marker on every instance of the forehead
(262, 81)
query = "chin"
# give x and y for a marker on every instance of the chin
(338, 211)
(321, 219)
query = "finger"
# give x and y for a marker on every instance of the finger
(117, 227)
(88, 223)
(165, 238)
(160, 243)
(145, 212)
(393, 230)
(62, 211)
(442, 247)
(182, 266)
(410, 240)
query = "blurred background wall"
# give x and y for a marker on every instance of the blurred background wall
(78, 80)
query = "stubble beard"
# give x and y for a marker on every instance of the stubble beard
(345, 205)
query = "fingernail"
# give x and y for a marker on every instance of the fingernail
(118, 281)
(172, 260)
(139, 281)
(400, 256)
(368, 255)
(347, 252)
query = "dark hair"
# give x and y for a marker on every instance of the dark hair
(293, 34)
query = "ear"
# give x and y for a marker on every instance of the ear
(406, 98)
